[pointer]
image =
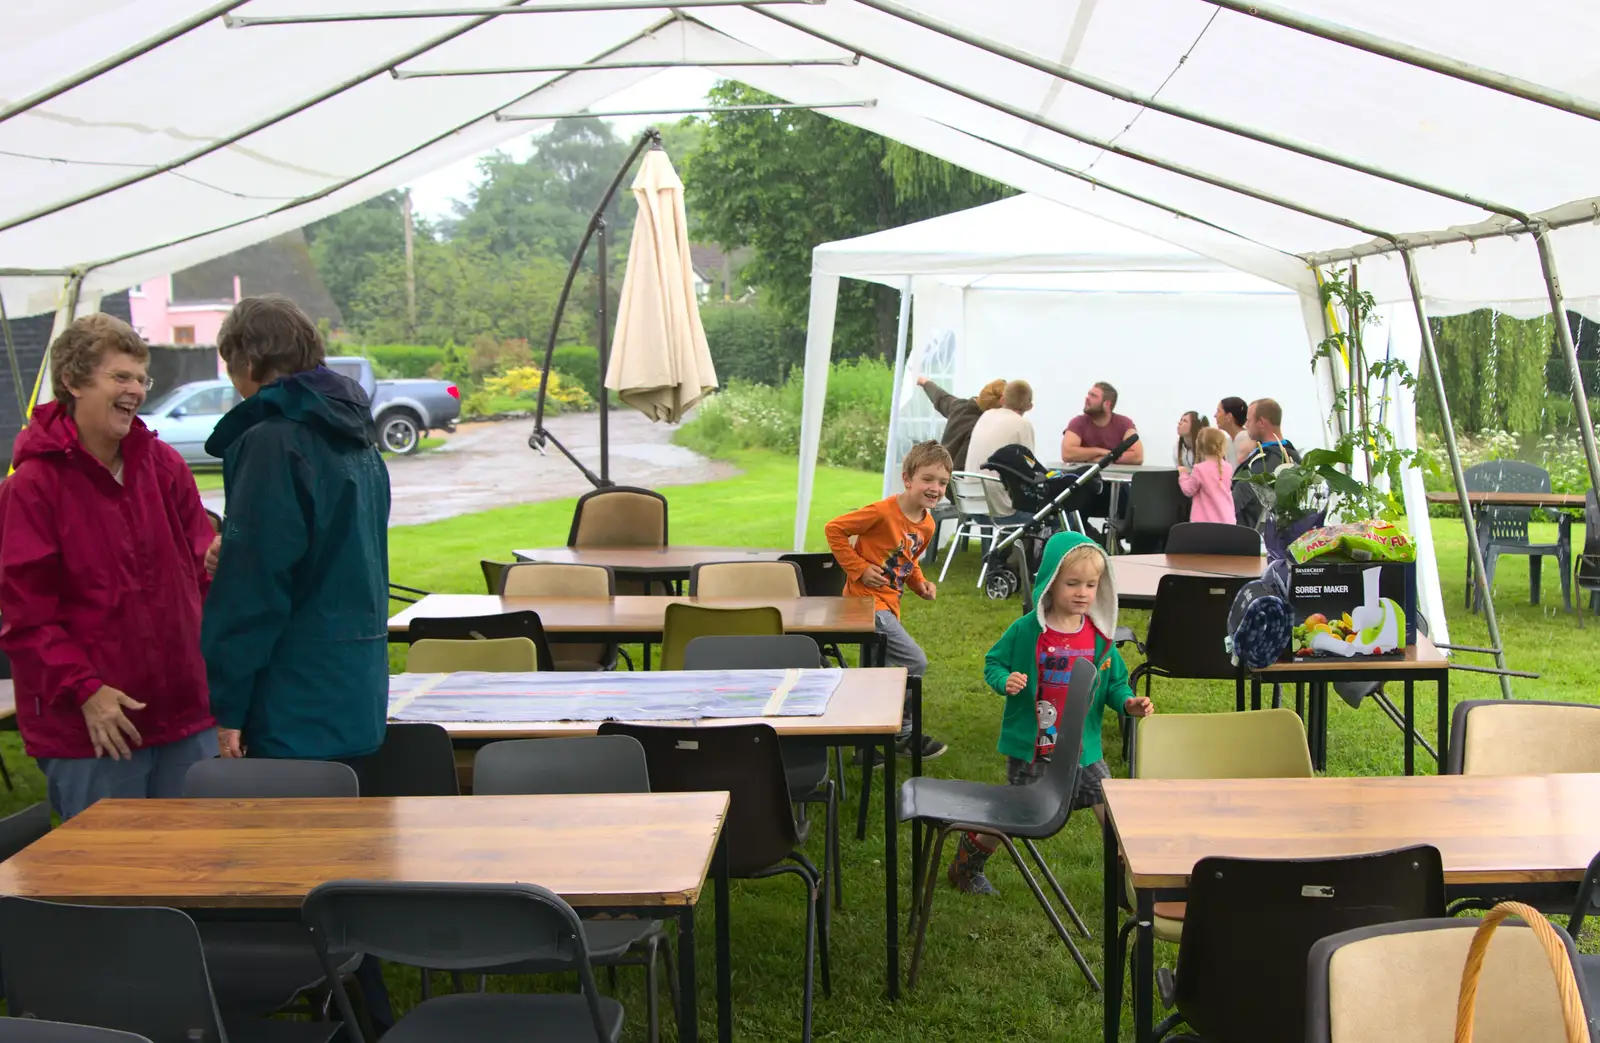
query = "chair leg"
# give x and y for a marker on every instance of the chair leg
(950, 553)
(672, 976)
(1055, 886)
(832, 853)
(866, 791)
(1535, 574)
(4, 774)
(927, 908)
(1055, 921)
(838, 771)
(1564, 563)
(819, 883)
(652, 1000)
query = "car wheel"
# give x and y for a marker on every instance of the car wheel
(399, 433)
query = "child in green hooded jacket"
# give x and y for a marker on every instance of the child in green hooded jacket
(1075, 616)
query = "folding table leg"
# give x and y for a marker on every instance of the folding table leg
(891, 869)
(688, 1015)
(1443, 724)
(1144, 968)
(1411, 726)
(1113, 952)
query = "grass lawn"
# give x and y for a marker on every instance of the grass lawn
(994, 968)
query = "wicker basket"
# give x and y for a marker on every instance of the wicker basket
(1555, 949)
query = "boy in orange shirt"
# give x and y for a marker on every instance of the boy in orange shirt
(890, 536)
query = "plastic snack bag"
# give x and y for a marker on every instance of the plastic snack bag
(1373, 540)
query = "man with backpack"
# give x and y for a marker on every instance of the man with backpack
(1264, 424)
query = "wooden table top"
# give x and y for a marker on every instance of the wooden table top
(639, 614)
(1487, 499)
(868, 701)
(1138, 575)
(1421, 656)
(1489, 829)
(632, 849)
(645, 559)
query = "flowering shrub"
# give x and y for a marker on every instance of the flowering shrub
(517, 391)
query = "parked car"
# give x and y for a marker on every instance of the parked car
(183, 417)
(405, 410)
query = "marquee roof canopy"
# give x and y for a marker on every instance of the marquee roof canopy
(139, 137)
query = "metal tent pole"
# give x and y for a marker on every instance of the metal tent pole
(902, 334)
(603, 348)
(654, 63)
(573, 7)
(1416, 56)
(1569, 350)
(1474, 549)
(513, 117)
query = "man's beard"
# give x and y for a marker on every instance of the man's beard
(1096, 412)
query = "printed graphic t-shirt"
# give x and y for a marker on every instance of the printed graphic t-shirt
(1057, 653)
(884, 537)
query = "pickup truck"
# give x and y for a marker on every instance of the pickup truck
(404, 410)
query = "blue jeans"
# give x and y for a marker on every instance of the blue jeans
(153, 772)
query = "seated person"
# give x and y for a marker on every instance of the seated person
(1005, 426)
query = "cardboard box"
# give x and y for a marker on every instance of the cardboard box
(1351, 609)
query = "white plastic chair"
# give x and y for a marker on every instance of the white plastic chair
(970, 491)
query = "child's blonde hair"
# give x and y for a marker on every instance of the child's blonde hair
(1213, 445)
(927, 454)
(1083, 552)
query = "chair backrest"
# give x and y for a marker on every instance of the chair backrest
(1508, 524)
(494, 574)
(551, 580)
(684, 623)
(21, 828)
(779, 652)
(619, 516)
(969, 490)
(1051, 797)
(215, 519)
(1189, 626)
(31, 1030)
(434, 655)
(449, 927)
(820, 574)
(581, 764)
(259, 778)
(1589, 560)
(136, 969)
(1524, 737)
(1256, 744)
(1156, 503)
(744, 760)
(746, 579)
(417, 759)
(1250, 925)
(1213, 538)
(486, 628)
(1399, 982)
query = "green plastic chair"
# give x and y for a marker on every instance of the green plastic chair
(1256, 744)
(684, 623)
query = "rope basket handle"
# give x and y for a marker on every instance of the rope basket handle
(1554, 949)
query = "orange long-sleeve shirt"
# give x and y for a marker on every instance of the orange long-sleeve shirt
(884, 537)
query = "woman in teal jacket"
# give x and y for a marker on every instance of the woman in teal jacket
(295, 633)
(1075, 616)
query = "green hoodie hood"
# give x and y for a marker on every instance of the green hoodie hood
(1103, 613)
(318, 397)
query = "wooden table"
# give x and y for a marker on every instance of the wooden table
(643, 854)
(1526, 831)
(1554, 501)
(1421, 662)
(864, 710)
(655, 563)
(1138, 575)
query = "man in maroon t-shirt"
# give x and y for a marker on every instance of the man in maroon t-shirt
(1099, 429)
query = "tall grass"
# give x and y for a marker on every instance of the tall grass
(760, 416)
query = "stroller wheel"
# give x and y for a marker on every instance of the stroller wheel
(1001, 584)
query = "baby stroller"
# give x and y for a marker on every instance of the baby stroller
(1053, 498)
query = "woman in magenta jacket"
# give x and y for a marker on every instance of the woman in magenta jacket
(102, 572)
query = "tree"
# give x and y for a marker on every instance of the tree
(348, 247)
(1494, 372)
(785, 181)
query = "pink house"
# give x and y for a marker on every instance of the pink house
(161, 320)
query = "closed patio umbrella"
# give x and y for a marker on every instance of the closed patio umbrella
(659, 363)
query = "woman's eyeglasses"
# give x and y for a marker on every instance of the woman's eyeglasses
(130, 380)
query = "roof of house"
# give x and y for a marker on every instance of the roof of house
(281, 264)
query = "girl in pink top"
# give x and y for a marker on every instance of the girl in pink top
(1208, 483)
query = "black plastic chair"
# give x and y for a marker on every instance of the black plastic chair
(805, 762)
(21, 828)
(1504, 530)
(1400, 983)
(820, 574)
(465, 928)
(234, 778)
(1213, 538)
(136, 969)
(760, 833)
(258, 967)
(1587, 573)
(494, 574)
(32, 1030)
(1155, 504)
(417, 759)
(479, 628)
(1189, 630)
(1251, 923)
(1588, 966)
(1027, 813)
(585, 764)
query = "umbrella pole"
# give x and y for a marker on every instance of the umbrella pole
(603, 347)
(540, 437)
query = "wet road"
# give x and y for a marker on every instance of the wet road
(490, 465)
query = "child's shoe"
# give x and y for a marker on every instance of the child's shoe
(966, 870)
